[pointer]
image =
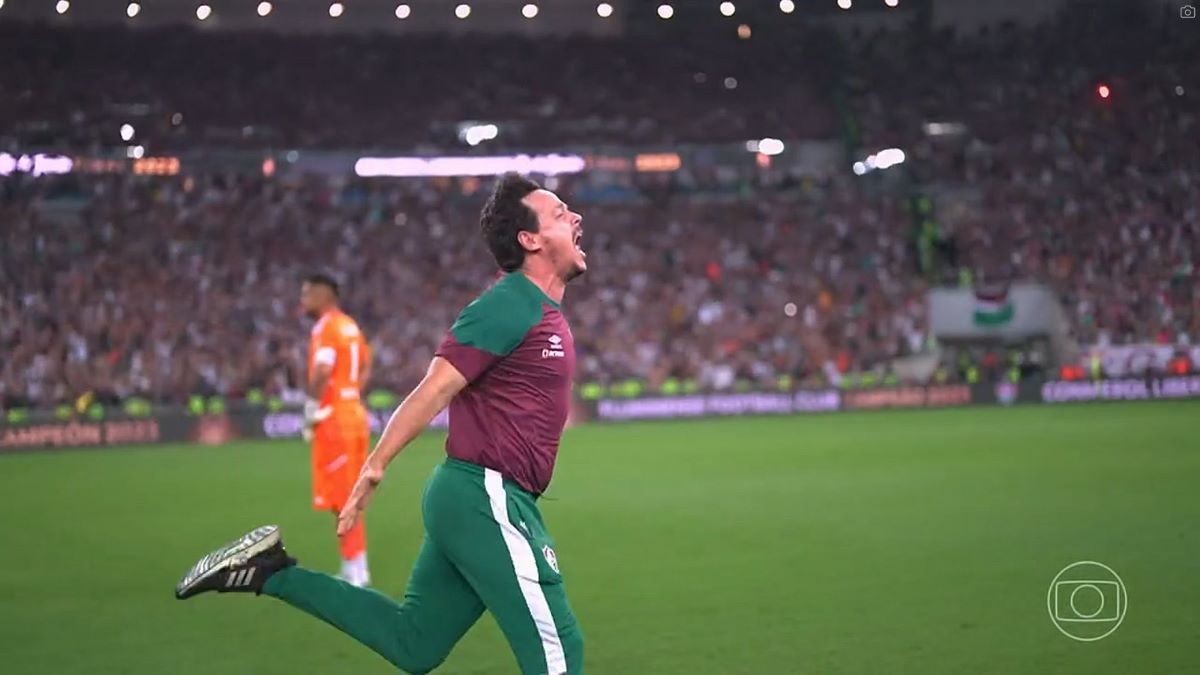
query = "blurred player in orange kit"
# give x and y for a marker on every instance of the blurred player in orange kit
(339, 366)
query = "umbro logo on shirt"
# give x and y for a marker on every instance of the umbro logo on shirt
(555, 351)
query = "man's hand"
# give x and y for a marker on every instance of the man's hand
(360, 496)
(313, 415)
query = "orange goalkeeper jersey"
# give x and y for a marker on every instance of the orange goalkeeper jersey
(338, 342)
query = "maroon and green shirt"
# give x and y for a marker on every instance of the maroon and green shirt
(515, 349)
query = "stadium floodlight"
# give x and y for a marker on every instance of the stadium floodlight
(787, 6)
(403, 11)
(770, 146)
(731, 83)
(1, 4)
(665, 11)
(264, 8)
(462, 11)
(604, 9)
(62, 6)
(133, 9)
(727, 8)
(529, 11)
(859, 168)
(203, 12)
(127, 132)
(336, 10)
(845, 4)
(135, 152)
(1178, 87)
(892, 3)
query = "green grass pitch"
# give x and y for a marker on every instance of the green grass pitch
(875, 543)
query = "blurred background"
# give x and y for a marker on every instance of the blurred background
(776, 196)
(790, 207)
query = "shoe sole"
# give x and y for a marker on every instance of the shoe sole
(235, 553)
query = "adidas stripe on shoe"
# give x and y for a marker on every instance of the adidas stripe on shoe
(243, 565)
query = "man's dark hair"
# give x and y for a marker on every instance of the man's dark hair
(504, 215)
(323, 279)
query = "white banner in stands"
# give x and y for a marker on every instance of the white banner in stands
(411, 167)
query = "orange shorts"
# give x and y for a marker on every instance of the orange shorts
(339, 451)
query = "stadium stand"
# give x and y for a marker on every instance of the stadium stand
(167, 287)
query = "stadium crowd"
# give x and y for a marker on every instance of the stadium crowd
(1074, 153)
(194, 290)
(166, 287)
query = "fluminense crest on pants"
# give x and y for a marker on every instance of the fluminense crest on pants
(551, 559)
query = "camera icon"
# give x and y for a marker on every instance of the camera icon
(1087, 601)
(1187, 12)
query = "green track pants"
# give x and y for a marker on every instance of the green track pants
(485, 547)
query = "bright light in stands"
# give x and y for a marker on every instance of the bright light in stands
(890, 157)
(203, 12)
(727, 8)
(127, 132)
(731, 83)
(744, 32)
(403, 11)
(38, 165)
(176, 119)
(479, 133)
(264, 8)
(787, 6)
(665, 11)
(1179, 90)
(944, 128)
(462, 11)
(133, 9)
(789, 309)
(336, 9)
(62, 6)
(529, 11)
(135, 152)
(892, 3)
(845, 4)
(770, 146)
(1104, 91)
(604, 9)
(1, 4)
(881, 160)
